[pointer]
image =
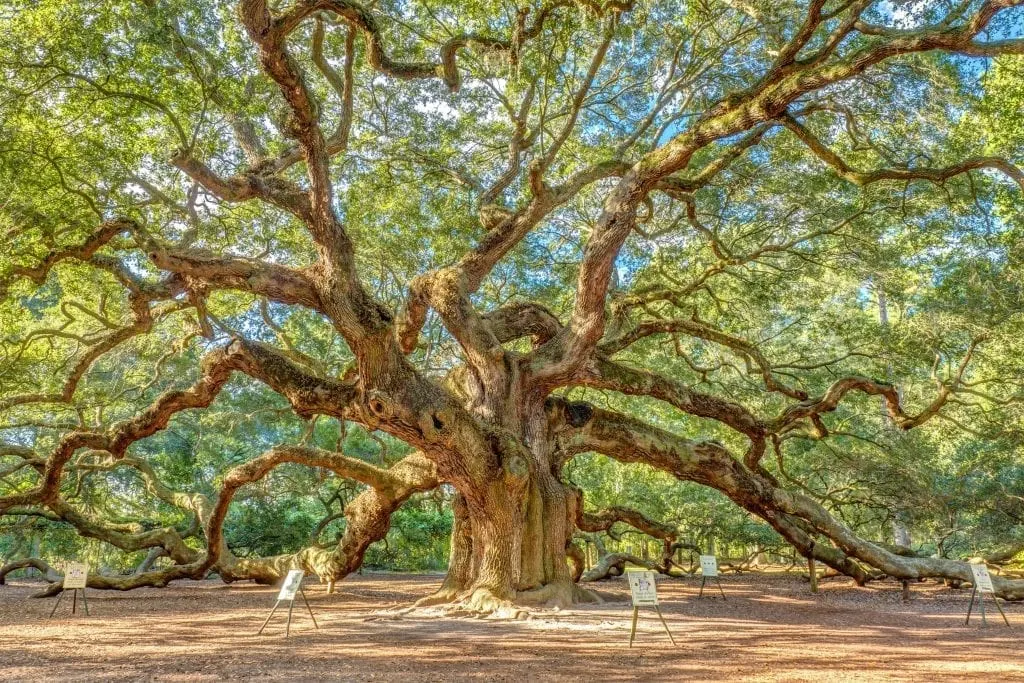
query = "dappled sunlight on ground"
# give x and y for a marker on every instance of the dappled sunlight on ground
(770, 627)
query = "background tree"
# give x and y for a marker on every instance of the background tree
(247, 239)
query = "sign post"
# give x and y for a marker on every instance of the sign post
(645, 594)
(982, 584)
(709, 570)
(292, 585)
(76, 575)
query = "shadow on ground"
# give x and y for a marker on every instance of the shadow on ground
(769, 628)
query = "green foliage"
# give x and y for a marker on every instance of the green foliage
(95, 97)
(418, 539)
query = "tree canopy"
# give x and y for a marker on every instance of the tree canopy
(282, 276)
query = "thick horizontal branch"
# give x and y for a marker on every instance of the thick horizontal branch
(338, 463)
(605, 519)
(523, 319)
(308, 394)
(275, 282)
(618, 377)
(255, 184)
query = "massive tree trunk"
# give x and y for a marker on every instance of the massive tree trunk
(514, 522)
(512, 546)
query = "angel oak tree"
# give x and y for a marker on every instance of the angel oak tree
(496, 209)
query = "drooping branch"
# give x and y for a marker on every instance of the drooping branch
(446, 68)
(791, 514)
(48, 572)
(167, 538)
(605, 519)
(698, 328)
(830, 400)
(79, 252)
(614, 564)
(368, 516)
(129, 538)
(934, 175)
(215, 372)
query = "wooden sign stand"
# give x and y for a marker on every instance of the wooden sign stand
(982, 584)
(76, 576)
(74, 602)
(292, 586)
(645, 593)
(709, 570)
(636, 613)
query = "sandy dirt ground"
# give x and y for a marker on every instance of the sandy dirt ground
(770, 628)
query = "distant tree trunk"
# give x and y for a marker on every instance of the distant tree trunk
(152, 556)
(901, 534)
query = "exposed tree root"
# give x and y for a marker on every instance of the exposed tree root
(478, 603)
(482, 602)
(445, 595)
(558, 595)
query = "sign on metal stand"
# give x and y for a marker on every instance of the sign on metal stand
(709, 570)
(292, 585)
(76, 575)
(982, 584)
(645, 594)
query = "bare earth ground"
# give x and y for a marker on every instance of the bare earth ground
(769, 628)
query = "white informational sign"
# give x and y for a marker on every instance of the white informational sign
(291, 584)
(708, 565)
(982, 580)
(75, 575)
(641, 585)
